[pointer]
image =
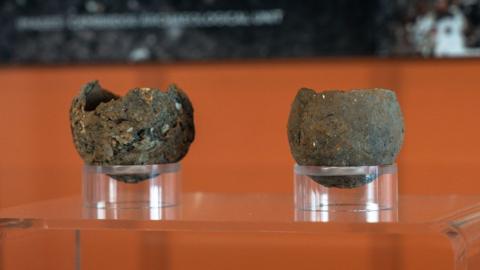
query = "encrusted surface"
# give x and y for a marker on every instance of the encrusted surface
(146, 126)
(338, 128)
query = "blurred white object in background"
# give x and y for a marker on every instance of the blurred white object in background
(422, 33)
(449, 34)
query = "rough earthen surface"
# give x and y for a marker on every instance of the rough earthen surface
(146, 126)
(338, 128)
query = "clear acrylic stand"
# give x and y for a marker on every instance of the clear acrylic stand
(131, 186)
(372, 188)
(389, 215)
(139, 214)
(452, 217)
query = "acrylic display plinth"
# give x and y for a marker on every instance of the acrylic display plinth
(26, 230)
(159, 186)
(379, 194)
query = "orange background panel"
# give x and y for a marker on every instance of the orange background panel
(241, 111)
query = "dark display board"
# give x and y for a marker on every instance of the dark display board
(71, 31)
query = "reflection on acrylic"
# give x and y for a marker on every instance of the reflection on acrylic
(378, 216)
(145, 214)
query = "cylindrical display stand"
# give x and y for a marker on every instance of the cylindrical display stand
(131, 186)
(379, 191)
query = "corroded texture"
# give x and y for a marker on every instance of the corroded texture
(337, 128)
(146, 126)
